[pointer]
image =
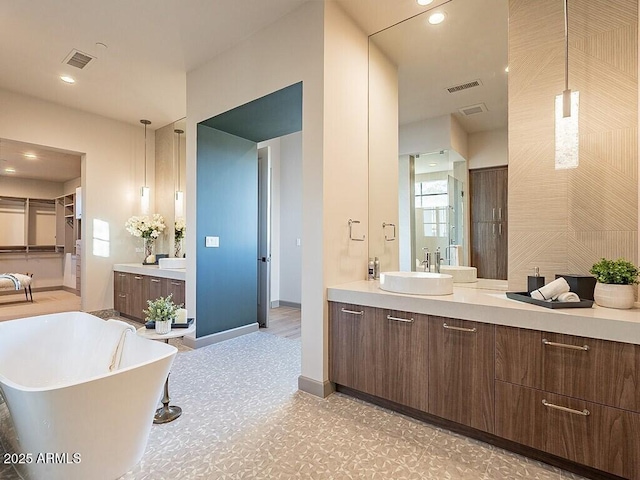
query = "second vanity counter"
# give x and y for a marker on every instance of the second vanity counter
(153, 270)
(492, 306)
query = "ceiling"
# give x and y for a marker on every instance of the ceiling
(471, 44)
(151, 45)
(49, 164)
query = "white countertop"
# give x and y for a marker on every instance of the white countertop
(492, 306)
(151, 270)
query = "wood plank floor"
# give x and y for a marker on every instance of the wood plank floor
(284, 322)
(54, 301)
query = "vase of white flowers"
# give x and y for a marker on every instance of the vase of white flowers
(180, 229)
(147, 228)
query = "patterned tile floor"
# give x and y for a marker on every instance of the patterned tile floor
(243, 418)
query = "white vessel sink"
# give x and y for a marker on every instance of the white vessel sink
(417, 283)
(460, 274)
(172, 263)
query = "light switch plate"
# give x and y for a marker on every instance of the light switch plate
(298, 242)
(212, 242)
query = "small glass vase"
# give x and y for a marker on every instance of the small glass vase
(163, 326)
(178, 248)
(148, 248)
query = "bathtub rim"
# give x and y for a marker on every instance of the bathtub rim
(12, 384)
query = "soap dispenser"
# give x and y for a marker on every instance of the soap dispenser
(536, 281)
(376, 268)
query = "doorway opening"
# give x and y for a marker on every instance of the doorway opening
(238, 204)
(41, 234)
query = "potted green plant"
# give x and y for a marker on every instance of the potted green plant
(162, 311)
(616, 280)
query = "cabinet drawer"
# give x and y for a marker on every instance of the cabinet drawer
(121, 282)
(153, 288)
(175, 288)
(595, 370)
(353, 346)
(588, 433)
(121, 303)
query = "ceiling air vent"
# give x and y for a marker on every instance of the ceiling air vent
(464, 86)
(78, 59)
(473, 109)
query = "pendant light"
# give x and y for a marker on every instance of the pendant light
(567, 108)
(145, 192)
(179, 207)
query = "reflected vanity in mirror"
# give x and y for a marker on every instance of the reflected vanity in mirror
(437, 109)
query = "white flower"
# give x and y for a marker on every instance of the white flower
(146, 227)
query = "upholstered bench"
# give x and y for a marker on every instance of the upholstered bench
(17, 281)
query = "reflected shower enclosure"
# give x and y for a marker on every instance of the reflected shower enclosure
(435, 186)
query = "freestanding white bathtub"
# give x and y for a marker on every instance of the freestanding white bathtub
(75, 417)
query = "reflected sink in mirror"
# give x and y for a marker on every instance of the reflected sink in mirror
(460, 273)
(417, 283)
(172, 263)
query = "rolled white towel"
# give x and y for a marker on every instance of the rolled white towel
(568, 297)
(550, 290)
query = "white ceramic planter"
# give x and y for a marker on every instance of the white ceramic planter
(614, 296)
(163, 327)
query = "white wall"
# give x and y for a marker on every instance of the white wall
(290, 218)
(71, 185)
(27, 187)
(383, 159)
(318, 45)
(425, 136)
(488, 149)
(112, 173)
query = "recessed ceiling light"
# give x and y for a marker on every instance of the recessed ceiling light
(67, 79)
(433, 164)
(424, 2)
(10, 170)
(436, 18)
(30, 156)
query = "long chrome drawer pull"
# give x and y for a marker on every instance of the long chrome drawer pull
(584, 413)
(122, 295)
(406, 320)
(175, 283)
(460, 329)
(353, 312)
(565, 345)
(138, 278)
(155, 280)
(122, 274)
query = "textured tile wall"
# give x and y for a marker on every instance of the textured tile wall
(565, 220)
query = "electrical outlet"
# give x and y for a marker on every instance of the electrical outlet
(298, 242)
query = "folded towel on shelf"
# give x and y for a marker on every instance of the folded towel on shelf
(568, 297)
(551, 290)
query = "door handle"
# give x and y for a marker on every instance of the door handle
(493, 214)
(500, 229)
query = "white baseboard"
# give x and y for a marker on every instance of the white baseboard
(314, 387)
(199, 342)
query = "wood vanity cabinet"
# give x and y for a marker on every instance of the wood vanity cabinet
(121, 287)
(352, 346)
(403, 358)
(461, 372)
(574, 397)
(153, 288)
(131, 292)
(175, 288)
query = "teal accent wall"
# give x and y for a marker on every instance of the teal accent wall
(271, 116)
(227, 207)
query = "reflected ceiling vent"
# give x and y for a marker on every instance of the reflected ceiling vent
(78, 59)
(473, 109)
(464, 86)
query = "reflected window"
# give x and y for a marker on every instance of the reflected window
(100, 238)
(433, 199)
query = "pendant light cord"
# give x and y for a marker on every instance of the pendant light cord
(566, 37)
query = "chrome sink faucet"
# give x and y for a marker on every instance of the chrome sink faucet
(438, 260)
(427, 259)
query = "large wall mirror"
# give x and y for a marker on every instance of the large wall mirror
(438, 108)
